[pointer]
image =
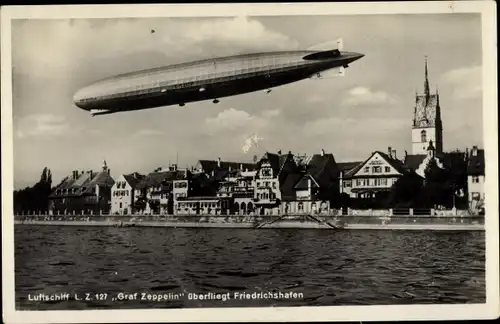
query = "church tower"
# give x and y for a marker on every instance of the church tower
(427, 125)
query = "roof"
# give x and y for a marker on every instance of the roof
(83, 183)
(395, 163)
(155, 179)
(346, 166)
(303, 183)
(287, 188)
(426, 110)
(318, 164)
(413, 161)
(210, 165)
(277, 161)
(476, 163)
(134, 179)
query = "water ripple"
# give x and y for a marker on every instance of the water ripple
(329, 268)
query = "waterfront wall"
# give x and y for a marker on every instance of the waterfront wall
(330, 212)
(424, 222)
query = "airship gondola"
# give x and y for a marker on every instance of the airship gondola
(208, 79)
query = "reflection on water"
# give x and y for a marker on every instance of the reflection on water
(327, 267)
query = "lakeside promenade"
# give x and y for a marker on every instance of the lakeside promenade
(358, 222)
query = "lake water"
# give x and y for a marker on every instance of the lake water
(315, 267)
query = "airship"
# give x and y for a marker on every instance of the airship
(210, 79)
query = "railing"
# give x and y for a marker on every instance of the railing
(255, 220)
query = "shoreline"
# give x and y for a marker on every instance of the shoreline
(425, 222)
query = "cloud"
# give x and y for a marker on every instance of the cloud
(72, 39)
(148, 132)
(466, 82)
(232, 119)
(366, 96)
(270, 113)
(41, 125)
(360, 127)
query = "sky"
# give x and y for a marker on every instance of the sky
(368, 109)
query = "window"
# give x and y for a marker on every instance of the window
(423, 136)
(387, 169)
(120, 205)
(274, 185)
(475, 179)
(376, 169)
(367, 169)
(301, 206)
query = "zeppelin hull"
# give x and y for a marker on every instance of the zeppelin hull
(217, 88)
(205, 80)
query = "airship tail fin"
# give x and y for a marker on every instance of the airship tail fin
(330, 45)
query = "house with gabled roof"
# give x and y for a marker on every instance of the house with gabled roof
(87, 192)
(272, 173)
(313, 187)
(374, 176)
(123, 193)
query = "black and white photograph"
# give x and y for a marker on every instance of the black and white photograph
(250, 162)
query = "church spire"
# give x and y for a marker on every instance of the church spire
(426, 84)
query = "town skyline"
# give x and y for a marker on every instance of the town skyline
(338, 115)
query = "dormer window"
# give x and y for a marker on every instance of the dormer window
(266, 172)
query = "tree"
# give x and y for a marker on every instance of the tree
(439, 185)
(154, 204)
(140, 204)
(35, 198)
(406, 191)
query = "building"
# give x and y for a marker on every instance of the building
(154, 192)
(312, 188)
(187, 202)
(271, 182)
(83, 192)
(240, 186)
(214, 187)
(123, 194)
(427, 124)
(475, 178)
(373, 177)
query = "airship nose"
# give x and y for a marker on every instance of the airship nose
(79, 98)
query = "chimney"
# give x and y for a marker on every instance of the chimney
(474, 150)
(406, 156)
(218, 162)
(241, 166)
(389, 151)
(322, 152)
(279, 152)
(394, 154)
(109, 171)
(230, 169)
